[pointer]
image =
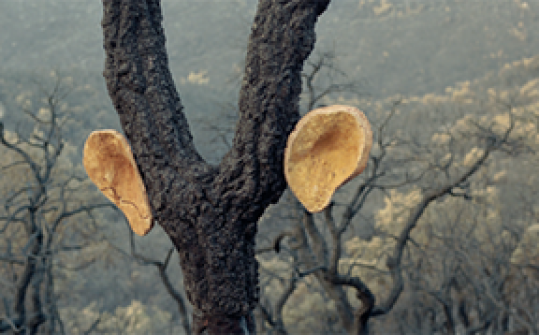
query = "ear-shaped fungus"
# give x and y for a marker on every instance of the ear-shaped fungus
(328, 147)
(109, 163)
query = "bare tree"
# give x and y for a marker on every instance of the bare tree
(46, 214)
(464, 289)
(324, 79)
(210, 212)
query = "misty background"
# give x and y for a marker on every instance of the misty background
(407, 48)
(392, 47)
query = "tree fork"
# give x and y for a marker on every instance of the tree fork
(210, 212)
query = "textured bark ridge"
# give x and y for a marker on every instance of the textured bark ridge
(210, 213)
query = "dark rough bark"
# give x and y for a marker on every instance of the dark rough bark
(210, 213)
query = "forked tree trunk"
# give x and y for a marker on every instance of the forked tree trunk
(210, 212)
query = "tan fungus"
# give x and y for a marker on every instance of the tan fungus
(109, 163)
(328, 147)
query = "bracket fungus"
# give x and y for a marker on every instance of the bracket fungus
(328, 147)
(109, 163)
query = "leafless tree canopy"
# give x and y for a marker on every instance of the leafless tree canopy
(45, 214)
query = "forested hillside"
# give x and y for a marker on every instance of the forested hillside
(452, 91)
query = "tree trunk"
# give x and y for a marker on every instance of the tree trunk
(210, 212)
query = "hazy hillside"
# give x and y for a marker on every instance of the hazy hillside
(418, 47)
(408, 47)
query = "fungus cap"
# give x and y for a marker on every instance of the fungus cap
(328, 147)
(109, 163)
